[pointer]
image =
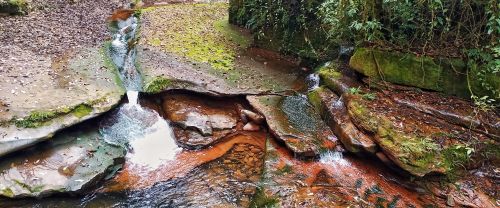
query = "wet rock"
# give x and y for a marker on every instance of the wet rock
(334, 112)
(210, 56)
(293, 121)
(228, 181)
(137, 176)
(333, 181)
(382, 157)
(73, 160)
(417, 142)
(251, 127)
(200, 121)
(41, 95)
(256, 118)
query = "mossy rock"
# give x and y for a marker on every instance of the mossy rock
(334, 79)
(418, 147)
(14, 6)
(439, 74)
(333, 111)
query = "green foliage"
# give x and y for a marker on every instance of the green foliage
(358, 91)
(412, 23)
(446, 28)
(456, 157)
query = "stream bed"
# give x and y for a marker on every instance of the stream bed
(207, 119)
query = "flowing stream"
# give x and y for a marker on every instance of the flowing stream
(147, 136)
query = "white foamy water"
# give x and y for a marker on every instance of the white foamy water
(312, 81)
(132, 96)
(155, 147)
(333, 158)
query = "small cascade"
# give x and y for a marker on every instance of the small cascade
(333, 158)
(123, 53)
(147, 136)
(132, 96)
(312, 81)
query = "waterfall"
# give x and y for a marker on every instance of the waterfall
(148, 137)
(312, 81)
(132, 97)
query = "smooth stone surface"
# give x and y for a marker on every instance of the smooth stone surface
(293, 121)
(251, 127)
(334, 112)
(73, 160)
(41, 95)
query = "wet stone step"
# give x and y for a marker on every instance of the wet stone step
(333, 110)
(295, 122)
(200, 121)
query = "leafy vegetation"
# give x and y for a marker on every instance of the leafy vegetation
(467, 29)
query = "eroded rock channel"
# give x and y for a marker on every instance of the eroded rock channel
(207, 119)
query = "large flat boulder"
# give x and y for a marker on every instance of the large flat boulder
(54, 69)
(292, 120)
(72, 161)
(42, 94)
(210, 56)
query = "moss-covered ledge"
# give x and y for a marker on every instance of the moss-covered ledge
(450, 76)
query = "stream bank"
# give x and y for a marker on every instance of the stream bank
(251, 138)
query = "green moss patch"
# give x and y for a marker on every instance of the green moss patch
(199, 32)
(41, 118)
(82, 110)
(443, 75)
(415, 153)
(157, 85)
